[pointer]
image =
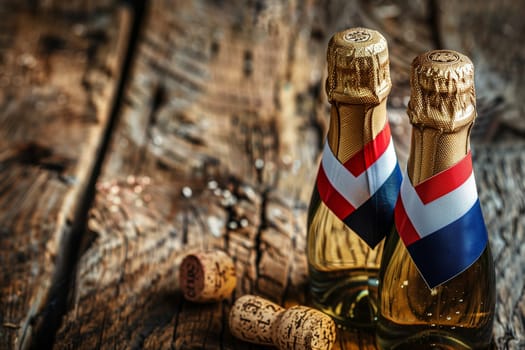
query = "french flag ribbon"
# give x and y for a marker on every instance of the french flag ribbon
(362, 192)
(441, 223)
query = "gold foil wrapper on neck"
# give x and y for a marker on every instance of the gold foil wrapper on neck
(442, 91)
(442, 110)
(358, 67)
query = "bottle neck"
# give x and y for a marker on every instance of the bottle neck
(433, 151)
(352, 126)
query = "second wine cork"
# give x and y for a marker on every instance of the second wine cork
(207, 276)
(252, 319)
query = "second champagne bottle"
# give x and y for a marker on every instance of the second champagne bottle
(437, 284)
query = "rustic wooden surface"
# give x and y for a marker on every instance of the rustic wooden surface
(215, 145)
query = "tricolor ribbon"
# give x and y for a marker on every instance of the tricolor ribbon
(362, 192)
(441, 223)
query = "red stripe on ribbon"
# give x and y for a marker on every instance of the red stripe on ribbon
(371, 152)
(404, 226)
(337, 203)
(445, 181)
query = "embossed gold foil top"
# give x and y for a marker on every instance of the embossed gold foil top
(442, 110)
(358, 67)
(442, 90)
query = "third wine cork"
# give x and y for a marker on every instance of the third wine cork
(301, 327)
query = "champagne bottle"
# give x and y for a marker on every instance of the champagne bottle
(437, 284)
(352, 203)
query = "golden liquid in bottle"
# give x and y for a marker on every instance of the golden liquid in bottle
(456, 315)
(343, 268)
(459, 313)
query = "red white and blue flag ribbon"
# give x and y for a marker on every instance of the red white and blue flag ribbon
(362, 192)
(441, 223)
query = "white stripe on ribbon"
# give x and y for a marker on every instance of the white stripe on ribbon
(357, 190)
(437, 214)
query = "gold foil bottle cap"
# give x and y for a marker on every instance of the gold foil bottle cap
(442, 91)
(358, 67)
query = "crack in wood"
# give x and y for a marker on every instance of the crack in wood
(48, 321)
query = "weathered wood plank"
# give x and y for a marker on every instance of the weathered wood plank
(201, 92)
(57, 80)
(212, 116)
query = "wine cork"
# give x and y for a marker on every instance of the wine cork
(358, 67)
(260, 321)
(252, 319)
(442, 90)
(207, 276)
(301, 327)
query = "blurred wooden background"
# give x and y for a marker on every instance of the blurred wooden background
(134, 132)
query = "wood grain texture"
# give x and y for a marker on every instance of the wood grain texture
(79, 8)
(57, 80)
(217, 146)
(500, 175)
(219, 133)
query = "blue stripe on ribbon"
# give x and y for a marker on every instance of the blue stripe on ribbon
(374, 218)
(450, 250)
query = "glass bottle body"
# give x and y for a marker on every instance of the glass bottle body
(452, 251)
(455, 315)
(343, 269)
